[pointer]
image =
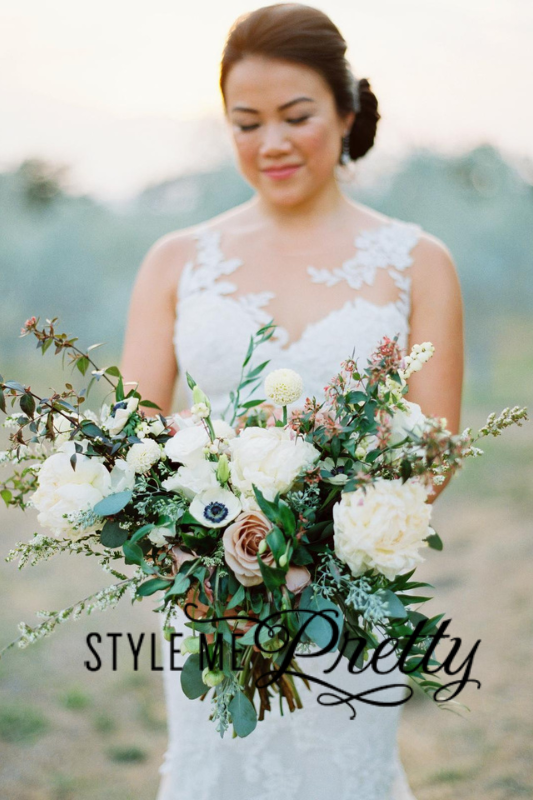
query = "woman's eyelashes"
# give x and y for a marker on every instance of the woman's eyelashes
(294, 121)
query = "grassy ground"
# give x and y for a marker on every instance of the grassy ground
(70, 734)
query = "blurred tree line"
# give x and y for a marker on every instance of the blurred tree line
(76, 258)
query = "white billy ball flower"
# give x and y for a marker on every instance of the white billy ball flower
(190, 481)
(143, 455)
(269, 458)
(383, 528)
(215, 508)
(283, 386)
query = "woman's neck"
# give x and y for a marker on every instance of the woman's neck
(325, 208)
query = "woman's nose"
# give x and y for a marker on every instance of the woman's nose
(274, 141)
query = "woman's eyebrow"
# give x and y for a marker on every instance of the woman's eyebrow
(280, 108)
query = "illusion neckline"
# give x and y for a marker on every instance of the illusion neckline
(208, 242)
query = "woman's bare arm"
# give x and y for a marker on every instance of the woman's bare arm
(148, 356)
(437, 317)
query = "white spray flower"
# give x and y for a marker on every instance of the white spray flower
(283, 386)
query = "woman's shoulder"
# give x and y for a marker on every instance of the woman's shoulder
(173, 250)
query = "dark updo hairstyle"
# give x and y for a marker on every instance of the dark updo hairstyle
(305, 35)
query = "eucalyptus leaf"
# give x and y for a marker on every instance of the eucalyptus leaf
(243, 715)
(112, 504)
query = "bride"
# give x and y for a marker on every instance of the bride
(336, 276)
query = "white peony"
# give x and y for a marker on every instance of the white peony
(404, 422)
(215, 508)
(269, 458)
(64, 491)
(223, 429)
(122, 476)
(382, 529)
(143, 455)
(190, 481)
(119, 415)
(283, 386)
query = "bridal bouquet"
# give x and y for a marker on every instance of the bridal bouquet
(272, 529)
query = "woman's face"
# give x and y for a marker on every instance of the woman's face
(286, 128)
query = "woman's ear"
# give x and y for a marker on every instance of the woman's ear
(349, 120)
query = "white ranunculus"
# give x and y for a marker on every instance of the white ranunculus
(63, 490)
(122, 476)
(215, 508)
(404, 422)
(156, 427)
(283, 386)
(143, 455)
(119, 415)
(190, 481)
(269, 458)
(382, 529)
(187, 445)
(158, 536)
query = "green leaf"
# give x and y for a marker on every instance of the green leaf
(269, 509)
(112, 504)
(251, 403)
(395, 607)
(18, 387)
(272, 576)
(149, 587)
(355, 397)
(83, 364)
(257, 370)
(191, 383)
(2, 401)
(90, 429)
(140, 532)
(180, 585)
(302, 556)
(27, 404)
(319, 629)
(149, 404)
(237, 598)
(286, 518)
(243, 715)
(405, 470)
(191, 678)
(114, 371)
(6, 496)
(133, 553)
(434, 541)
(113, 535)
(276, 542)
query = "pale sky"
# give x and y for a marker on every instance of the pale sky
(116, 88)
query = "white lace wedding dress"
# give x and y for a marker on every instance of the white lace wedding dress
(317, 752)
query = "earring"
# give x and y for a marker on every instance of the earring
(345, 156)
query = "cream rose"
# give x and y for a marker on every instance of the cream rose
(269, 458)
(382, 529)
(297, 579)
(241, 543)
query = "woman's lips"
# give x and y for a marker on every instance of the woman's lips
(282, 172)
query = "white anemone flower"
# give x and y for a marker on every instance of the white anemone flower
(215, 507)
